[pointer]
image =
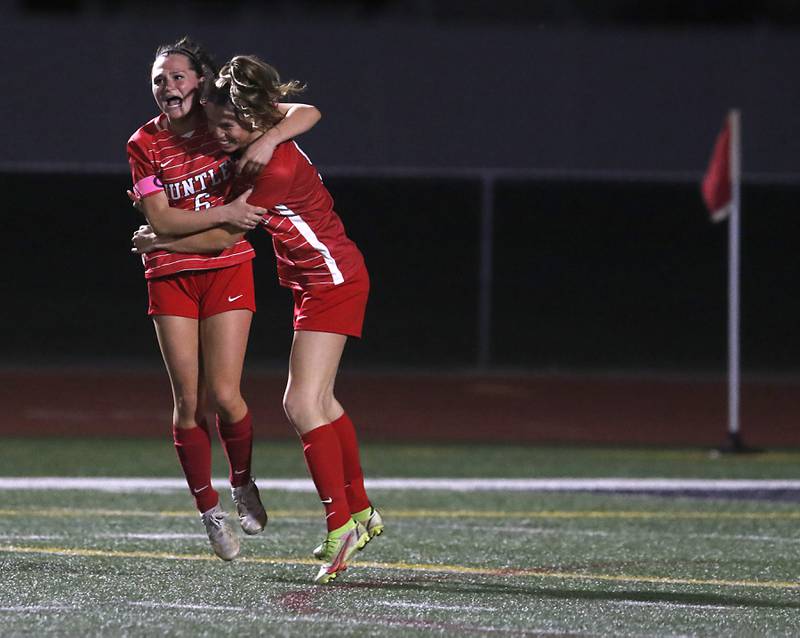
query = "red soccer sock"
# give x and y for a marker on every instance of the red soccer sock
(193, 446)
(351, 461)
(324, 459)
(237, 441)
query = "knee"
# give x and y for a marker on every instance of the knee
(185, 409)
(186, 404)
(293, 406)
(303, 408)
(307, 409)
(226, 400)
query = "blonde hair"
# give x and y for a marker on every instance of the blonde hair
(253, 88)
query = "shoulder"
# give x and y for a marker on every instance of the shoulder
(144, 135)
(283, 160)
(290, 155)
(284, 150)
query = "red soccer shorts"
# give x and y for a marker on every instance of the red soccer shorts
(338, 309)
(199, 294)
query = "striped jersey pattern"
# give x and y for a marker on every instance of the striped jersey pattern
(194, 174)
(311, 246)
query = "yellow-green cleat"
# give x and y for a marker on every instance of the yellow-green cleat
(338, 549)
(372, 522)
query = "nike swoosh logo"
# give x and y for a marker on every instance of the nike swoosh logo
(200, 490)
(239, 471)
(232, 299)
(167, 163)
(329, 515)
(327, 500)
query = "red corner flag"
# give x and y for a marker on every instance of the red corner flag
(717, 187)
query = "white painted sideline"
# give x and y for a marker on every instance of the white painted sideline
(132, 484)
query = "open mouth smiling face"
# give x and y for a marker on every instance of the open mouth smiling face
(229, 132)
(172, 102)
(175, 85)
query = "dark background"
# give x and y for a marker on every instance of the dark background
(604, 257)
(586, 275)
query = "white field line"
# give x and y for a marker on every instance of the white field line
(154, 536)
(35, 609)
(559, 531)
(135, 485)
(320, 619)
(328, 618)
(429, 607)
(498, 529)
(669, 605)
(194, 607)
(518, 529)
(32, 537)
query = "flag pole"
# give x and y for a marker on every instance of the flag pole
(734, 241)
(721, 190)
(734, 442)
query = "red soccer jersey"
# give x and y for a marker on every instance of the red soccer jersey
(195, 175)
(310, 243)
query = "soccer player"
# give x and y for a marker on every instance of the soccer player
(202, 304)
(329, 282)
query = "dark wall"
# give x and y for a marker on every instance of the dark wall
(397, 94)
(586, 275)
(634, 275)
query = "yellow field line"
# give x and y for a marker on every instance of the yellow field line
(625, 514)
(416, 567)
(77, 512)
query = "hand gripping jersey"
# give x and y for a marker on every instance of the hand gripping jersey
(195, 175)
(310, 243)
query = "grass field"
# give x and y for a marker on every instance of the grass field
(461, 563)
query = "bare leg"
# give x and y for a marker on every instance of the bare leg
(178, 338)
(311, 407)
(313, 364)
(224, 343)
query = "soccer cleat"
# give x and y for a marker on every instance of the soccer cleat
(372, 524)
(224, 540)
(251, 512)
(338, 549)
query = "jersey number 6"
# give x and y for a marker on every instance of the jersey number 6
(199, 204)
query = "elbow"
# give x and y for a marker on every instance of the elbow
(159, 228)
(225, 237)
(228, 242)
(160, 224)
(223, 240)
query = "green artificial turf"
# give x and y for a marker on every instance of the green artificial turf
(281, 459)
(450, 563)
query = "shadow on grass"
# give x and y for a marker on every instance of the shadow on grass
(451, 587)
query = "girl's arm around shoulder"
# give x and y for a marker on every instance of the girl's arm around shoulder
(274, 183)
(297, 119)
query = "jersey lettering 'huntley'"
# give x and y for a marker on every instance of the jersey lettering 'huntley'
(195, 175)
